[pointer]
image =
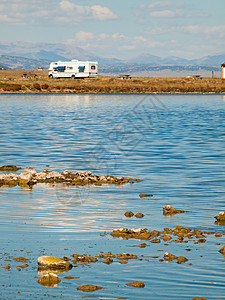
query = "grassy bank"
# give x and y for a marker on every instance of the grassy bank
(37, 82)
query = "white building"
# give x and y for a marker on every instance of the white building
(223, 71)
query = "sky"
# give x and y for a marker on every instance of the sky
(119, 28)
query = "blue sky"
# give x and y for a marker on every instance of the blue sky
(119, 28)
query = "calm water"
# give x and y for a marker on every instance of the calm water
(174, 144)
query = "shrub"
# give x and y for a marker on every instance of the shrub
(37, 86)
(12, 87)
(45, 86)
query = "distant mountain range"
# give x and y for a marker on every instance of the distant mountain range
(23, 55)
(210, 60)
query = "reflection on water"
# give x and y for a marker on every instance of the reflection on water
(175, 145)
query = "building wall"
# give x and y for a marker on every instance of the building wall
(223, 71)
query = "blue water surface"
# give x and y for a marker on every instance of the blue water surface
(174, 144)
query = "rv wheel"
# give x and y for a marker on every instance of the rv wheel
(73, 76)
(50, 76)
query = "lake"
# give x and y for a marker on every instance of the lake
(174, 144)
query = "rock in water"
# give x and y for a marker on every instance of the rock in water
(139, 215)
(27, 175)
(129, 214)
(55, 175)
(9, 168)
(222, 250)
(220, 216)
(89, 288)
(181, 259)
(169, 210)
(145, 195)
(50, 280)
(53, 262)
(136, 284)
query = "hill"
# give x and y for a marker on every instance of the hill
(22, 63)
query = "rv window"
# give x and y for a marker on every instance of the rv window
(60, 69)
(92, 67)
(81, 68)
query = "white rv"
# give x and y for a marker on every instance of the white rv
(73, 69)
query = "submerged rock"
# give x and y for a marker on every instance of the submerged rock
(129, 214)
(145, 195)
(139, 215)
(222, 250)
(9, 168)
(166, 235)
(89, 288)
(109, 254)
(6, 267)
(20, 259)
(125, 256)
(53, 263)
(169, 210)
(108, 261)
(123, 262)
(170, 257)
(49, 280)
(181, 259)
(23, 266)
(136, 284)
(83, 258)
(143, 245)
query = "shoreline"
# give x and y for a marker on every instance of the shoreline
(116, 94)
(26, 82)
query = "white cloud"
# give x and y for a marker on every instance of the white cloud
(206, 30)
(102, 13)
(37, 11)
(166, 4)
(6, 19)
(77, 11)
(83, 36)
(167, 13)
(164, 9)
(112, 43)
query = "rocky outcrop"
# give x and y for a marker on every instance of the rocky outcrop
(30, 177)
(178, 235)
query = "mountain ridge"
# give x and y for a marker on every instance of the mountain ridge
(31, 56)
